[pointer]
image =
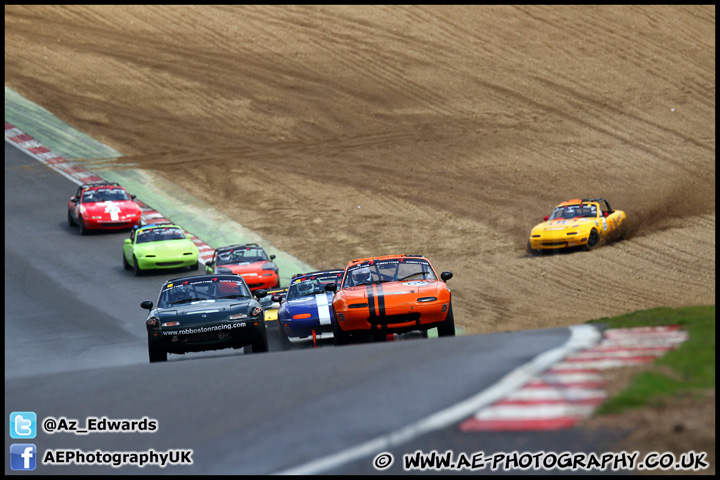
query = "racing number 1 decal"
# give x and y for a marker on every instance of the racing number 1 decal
(113, 210)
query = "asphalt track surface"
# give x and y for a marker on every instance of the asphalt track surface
(75, 346)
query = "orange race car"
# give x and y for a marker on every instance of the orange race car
(391, 294)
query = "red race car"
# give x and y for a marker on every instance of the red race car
(103, 206)
(390, 294)
(248, 260)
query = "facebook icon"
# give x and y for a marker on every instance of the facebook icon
(22, 456)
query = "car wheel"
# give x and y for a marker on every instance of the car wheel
(71, 222)
(260, 345)
(593, 240)
(83, 229)
(533, 251)
(126, 265)
(379, 337)
(136, 267)
(156, 354)
(339, 337)
(447, 327)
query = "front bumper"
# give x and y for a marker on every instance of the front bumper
(419, 317)
(94, 224)
(304, 328)
(256, 282)
(209, 337)
(555, 241)
(152, 263)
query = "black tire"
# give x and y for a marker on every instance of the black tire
(83, 230)
(593, 240)
(260, 345)
(126, 265)
(339, 337)
(195, 267)
(156, 354)
(447, 327)
(71, 222)
(379, 337)
(533, 251)
(136, 268)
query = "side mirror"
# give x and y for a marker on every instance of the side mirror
(133, 197)
(446, 276)
(147, 305)
(330, 287)
(260, 293)
(73, 199)
(209, 263)
(128, 241)
(546, 217)
(606, 214)
(277, 298)
(272, 257)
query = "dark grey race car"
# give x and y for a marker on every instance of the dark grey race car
(205, 312)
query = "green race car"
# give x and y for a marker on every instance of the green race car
(159, 246)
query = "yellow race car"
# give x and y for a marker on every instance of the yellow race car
(582, 223)
(271, 303)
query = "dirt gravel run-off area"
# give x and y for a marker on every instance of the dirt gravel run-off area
(340, 132)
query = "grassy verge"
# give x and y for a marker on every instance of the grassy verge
(687, 370)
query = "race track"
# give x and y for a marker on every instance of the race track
(75, 347)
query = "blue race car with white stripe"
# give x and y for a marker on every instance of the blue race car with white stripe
(306, 310)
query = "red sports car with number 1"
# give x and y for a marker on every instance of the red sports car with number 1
(103, 206)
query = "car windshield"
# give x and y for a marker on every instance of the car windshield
(241, 255)
(159, 234)
(312, 284)
(391, 270)
(574, 211)
(202, 289)
(105, 195)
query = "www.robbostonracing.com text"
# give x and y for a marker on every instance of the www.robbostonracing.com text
(613, 461)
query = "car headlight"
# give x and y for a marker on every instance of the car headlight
(270, 266)
(427, 299)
